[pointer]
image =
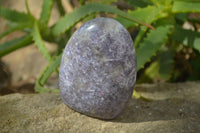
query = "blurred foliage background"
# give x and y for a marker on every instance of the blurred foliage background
(165, 33)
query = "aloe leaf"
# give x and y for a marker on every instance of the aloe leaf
(139, 36)
(195, 63)
(107, 2)
(40, 89)
(27, 7)
(45, 75)
(186, 37)
(186, 6)
(154, 40)
(46, 11)
(52, 67)
(166, 64)
(39, 42)
(147, 15)
(139, 96)
(139, 3)
(71, 19)
(15, 44)
(14, 28)
(160, 69)
(153, 70)
(60, 7)
(162, 2)
(15, 16)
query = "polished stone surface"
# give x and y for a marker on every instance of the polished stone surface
(98, 69)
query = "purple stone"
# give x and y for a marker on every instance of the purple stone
(98, 69)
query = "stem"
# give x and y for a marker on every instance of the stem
(27, 7)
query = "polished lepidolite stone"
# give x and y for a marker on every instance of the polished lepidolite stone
(98, 69)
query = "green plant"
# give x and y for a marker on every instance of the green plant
(155, 48)
(37, 30)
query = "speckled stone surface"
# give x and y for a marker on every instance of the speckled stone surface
(98, 69)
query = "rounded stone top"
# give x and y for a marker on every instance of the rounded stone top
(98, 69)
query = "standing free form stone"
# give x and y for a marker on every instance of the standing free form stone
(98, 69)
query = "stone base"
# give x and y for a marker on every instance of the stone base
(175, 109)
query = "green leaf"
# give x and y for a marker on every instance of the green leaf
(139, 96)
(186, 6)
(166, 64)
(195, 64)
(139, 3)
(15, 16)
(153, 70)
(45, 75)
(39, 42)
(160, 69)
(186, 37)
(107, 2)
(139, 36)
(60, 7)
(181, 18)
(40, 89)
(14, 28)
(162, 2)
(155, 39)
(147, 14)
(15, 44)
(46, 11)
(71, 19)
(52, 67)
(27, 7)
